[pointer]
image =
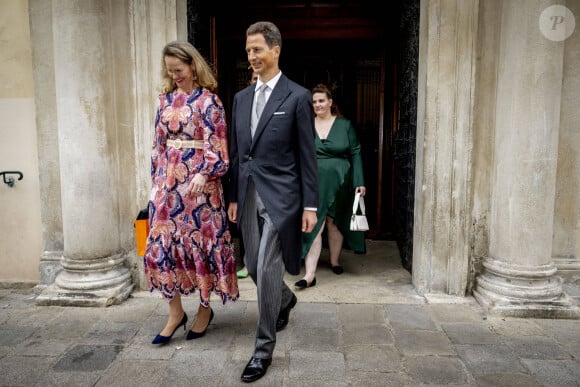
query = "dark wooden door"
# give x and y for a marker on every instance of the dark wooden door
(350, 46)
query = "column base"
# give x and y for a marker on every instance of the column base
(97, 282)
(523, 291)
(569, 269)
(562, 307)
(50, 266)
(56, 296)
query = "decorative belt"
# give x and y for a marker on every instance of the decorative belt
(178, 144)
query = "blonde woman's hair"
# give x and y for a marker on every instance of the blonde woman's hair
(203, 74)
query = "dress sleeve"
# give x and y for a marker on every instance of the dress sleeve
(216, 159)
(159, 140)
(355, 157)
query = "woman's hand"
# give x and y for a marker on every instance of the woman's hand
(362, 190)
(309, 220)
(197, 184)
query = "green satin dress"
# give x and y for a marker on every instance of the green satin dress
(340, 170)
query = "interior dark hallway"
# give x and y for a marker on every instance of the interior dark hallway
(355, 50)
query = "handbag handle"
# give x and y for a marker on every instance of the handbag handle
(358, 201)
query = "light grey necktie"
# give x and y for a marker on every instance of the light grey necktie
(260, 102)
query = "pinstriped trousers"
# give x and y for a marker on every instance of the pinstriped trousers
(263, 259)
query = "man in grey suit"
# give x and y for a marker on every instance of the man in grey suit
(274, 193)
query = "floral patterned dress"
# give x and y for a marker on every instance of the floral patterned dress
(189, 246)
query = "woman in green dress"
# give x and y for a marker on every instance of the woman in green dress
(340, 175)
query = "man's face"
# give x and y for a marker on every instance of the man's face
(262, 58)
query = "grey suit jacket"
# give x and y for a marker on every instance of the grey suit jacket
(281, 160)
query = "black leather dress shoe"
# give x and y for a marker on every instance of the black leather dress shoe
(284, 315)
(302, 284)
(255, 369)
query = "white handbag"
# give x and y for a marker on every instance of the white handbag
(358, 222)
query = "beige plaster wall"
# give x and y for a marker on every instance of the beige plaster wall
(20, 226)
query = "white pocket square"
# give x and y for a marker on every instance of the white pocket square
(279, 113)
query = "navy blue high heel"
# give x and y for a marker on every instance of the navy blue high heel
(165, 339)
(191, 335)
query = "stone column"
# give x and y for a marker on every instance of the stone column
(94, 272)
(447, 60)
(519, 277)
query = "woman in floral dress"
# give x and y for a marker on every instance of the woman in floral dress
(189, 246)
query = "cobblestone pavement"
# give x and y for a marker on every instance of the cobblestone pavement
(367, 327)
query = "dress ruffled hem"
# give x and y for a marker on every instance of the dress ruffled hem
(225, 297)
